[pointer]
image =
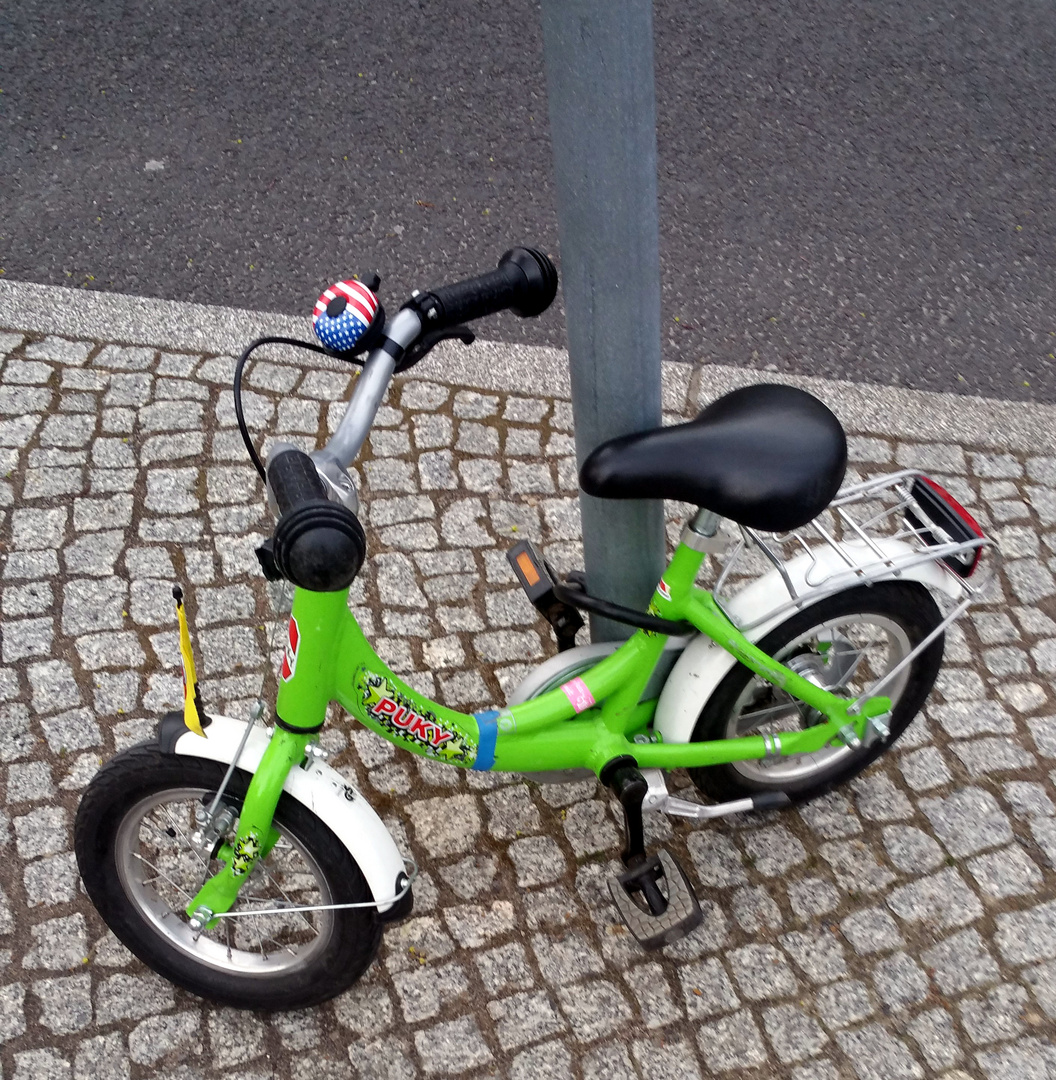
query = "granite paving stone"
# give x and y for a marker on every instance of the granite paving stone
(1044, 833)
(996, 1016)
(755, 909)
(732, 1042)
(812, 897)
(875, 1054)
(707, 989)
(901, 927)
(792, 1033)
(651, 990)
(961, 962)
(968, 821)
(1027, 935)
(1027, 1058)
(817, 954)
(900, 982)
(611, 1062)
(762, 973)
(933, 1031)
(524, 1018)
(1008, 872)
(595, 1008)
(1028, 799)
(841, 1004)
(941, 900)
(1042, 981)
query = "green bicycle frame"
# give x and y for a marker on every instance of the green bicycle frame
(590, 720)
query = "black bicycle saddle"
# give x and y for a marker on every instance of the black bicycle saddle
(770, 457)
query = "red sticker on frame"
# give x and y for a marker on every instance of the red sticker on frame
(289, 655)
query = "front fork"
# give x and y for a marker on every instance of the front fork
(304, 692)
(256, 835)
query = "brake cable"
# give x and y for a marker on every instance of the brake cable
(240, 415)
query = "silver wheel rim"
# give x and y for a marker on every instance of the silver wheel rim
(845, 655)
(161, 871)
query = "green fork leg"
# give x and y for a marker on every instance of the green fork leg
(255, 834)
(302, 702)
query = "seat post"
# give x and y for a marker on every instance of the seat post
(700, 532)
(705, 522)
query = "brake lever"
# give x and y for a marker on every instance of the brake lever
(427, 342)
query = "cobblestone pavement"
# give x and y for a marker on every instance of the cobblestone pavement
(905, 927)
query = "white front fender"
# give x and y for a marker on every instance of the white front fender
(324, 791)
(703, 664)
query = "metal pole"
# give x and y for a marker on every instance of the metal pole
(599, 74)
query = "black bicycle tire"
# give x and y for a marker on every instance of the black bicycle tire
(145, 769)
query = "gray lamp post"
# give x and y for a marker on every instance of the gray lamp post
(599, 72)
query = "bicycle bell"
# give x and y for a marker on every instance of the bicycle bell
(348, 317)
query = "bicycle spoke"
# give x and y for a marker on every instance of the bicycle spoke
(161, 875)
(286, 897)
(188, 846)
(861, 653)
(747, 722)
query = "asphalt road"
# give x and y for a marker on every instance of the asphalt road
(848, 189)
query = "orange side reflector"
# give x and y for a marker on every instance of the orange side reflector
(527, 567)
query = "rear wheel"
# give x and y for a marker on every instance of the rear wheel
(141, 869)
(843, 644)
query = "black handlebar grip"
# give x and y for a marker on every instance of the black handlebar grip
(525, 282)
(317, 544)
(293, 480)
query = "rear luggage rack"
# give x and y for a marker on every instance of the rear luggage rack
(905, 506)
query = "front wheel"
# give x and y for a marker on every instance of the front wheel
(844, 643)
(141, 869)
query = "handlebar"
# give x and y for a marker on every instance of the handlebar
(319, 544)
(293, 480)
(525, 282)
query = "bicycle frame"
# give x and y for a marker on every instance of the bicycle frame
(589, 721)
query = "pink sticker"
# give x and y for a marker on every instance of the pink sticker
(577, 693)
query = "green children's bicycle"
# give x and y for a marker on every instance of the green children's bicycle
(235, 862)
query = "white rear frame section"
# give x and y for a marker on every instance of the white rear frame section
(764, 604)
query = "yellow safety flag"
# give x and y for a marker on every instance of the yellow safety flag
(191, 699)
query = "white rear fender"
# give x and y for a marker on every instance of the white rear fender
(703, 664)
(324, 791)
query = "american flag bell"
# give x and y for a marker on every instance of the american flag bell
(343, 314)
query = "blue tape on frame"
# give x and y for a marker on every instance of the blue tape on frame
(489, 732)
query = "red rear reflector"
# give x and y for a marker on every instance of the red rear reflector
(942, 520)
(954, 505)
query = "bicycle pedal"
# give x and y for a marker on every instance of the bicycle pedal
(537, 579)
(656, 901)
